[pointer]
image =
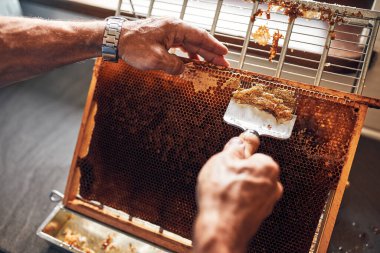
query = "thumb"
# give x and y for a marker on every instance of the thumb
(171, 63)
(235, 147)
(252, 142)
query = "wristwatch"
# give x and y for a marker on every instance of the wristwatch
(111, 38)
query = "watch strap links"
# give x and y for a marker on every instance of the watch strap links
(111, 37)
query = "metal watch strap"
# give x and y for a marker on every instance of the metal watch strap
(111, 38)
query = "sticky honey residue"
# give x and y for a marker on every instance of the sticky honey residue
(107, 242)
(274, 48)
(202, 81)
(76, 240)
(277, 101)
(232, 83)
(90, 244)
(261, 36)
(207, 81)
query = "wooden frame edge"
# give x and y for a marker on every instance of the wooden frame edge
(159, 237)
(72, 183)
(333, 209)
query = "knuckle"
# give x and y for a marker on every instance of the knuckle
(225, 159)
(268, 187)
(263, 157)
(171, 21)
(204, 34)
(203, 31)
(274, 167)
(241, 168)
(265, 184)
(209, 58)
(247, 184)
(155, 61)
(176, 65)
(266, 162)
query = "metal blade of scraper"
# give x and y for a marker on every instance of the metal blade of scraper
(248, 117)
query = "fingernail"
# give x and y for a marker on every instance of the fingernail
(251, 133)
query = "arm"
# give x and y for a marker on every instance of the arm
(236, 191)
(30, 46)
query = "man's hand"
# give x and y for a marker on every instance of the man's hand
(236, 191)
(144, 44)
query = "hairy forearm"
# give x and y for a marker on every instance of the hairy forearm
(30, 46)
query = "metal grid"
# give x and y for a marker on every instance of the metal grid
(307, 52)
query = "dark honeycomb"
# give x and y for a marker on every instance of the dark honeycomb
(153, 132)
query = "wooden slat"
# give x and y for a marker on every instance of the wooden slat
(332, 212)
(84, 139)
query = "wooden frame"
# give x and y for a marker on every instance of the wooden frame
(174, 242)
(335, 200)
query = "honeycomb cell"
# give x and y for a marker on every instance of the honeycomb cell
(153, 133)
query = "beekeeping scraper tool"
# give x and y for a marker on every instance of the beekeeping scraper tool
(248, 117)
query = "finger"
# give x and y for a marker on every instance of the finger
(199, 37)
(207, 55)
(173, 64)
(252, 142)
(235, 147)
(193, 56)
(169, 63)
(264, 166)
(279, 191)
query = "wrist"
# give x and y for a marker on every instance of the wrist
(217, 234)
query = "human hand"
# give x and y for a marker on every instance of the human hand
(144, 44)
(236, 191)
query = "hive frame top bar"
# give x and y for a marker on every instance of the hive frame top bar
(340, 9)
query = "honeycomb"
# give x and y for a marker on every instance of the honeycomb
(153, 132)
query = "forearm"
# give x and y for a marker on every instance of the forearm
(215, 234)
(30, 46)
